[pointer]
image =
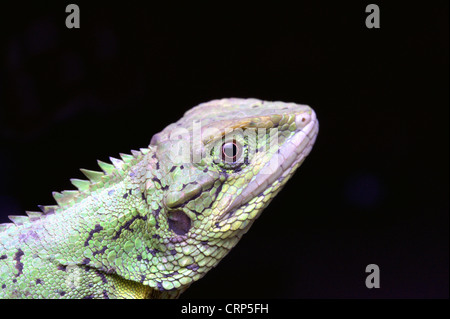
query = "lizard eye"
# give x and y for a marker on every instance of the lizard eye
(231, 151)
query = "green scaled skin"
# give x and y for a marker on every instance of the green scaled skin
(151, 224)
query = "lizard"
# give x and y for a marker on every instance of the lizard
(155, 221)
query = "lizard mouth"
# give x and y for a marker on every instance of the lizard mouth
(293, 151)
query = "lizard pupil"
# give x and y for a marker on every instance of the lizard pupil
(230, 151)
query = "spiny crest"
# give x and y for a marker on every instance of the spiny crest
(18, 220)
(96, 180)
(107, 168)
(93, 176)
(23, 220)
(64, 197)
(118, 164)
(126, 158)
(33, 215)
(80, 184)
(47, 210)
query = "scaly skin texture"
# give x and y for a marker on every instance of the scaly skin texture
(151, 224)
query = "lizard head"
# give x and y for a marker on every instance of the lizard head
(159, 219)
(219, 166)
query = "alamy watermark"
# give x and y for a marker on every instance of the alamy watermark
(73, 19)
(373, 280)
(373, 19)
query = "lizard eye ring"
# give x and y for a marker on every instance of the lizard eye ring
(231, 151)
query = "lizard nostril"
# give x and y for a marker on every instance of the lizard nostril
(302, 119)
(179, 222)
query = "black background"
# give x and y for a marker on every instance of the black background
(373, 190)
